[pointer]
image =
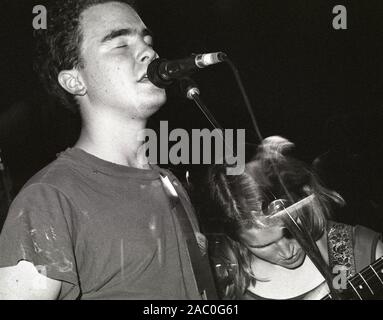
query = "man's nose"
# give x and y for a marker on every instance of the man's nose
(146, 54)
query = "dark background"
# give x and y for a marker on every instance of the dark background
(319, 87)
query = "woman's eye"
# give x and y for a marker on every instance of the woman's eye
(122, 46)
(265, 246)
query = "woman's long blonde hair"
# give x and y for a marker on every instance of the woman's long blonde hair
(246, 200)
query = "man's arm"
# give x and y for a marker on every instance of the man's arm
(24, 282)
(37, 230)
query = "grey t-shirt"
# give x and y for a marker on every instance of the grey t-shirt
(106, 231)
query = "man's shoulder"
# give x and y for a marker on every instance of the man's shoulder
(45, 194)
(342, 231)
(356, 228)
(58, 174)
(366, 234)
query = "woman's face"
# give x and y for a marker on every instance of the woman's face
(274, 245)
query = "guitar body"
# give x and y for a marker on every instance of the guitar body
(318, 293)
(365, 285)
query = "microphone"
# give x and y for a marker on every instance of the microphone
(162, 72)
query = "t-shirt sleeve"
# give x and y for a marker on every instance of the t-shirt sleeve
(365, 243)
(37, 229)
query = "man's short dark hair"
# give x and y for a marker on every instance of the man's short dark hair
(59, 46)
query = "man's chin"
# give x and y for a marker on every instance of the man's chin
(158, 97)
(152, 106)
(158, 102)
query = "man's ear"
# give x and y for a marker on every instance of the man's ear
(71, 81)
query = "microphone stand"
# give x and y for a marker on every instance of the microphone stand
(309, 246)
(192, 92)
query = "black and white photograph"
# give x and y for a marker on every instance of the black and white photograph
(208, 151)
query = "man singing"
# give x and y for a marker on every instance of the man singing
(97, 223)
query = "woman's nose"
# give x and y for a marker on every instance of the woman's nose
(286, 248)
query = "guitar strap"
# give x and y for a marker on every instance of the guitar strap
(340, 242)
(199, 260)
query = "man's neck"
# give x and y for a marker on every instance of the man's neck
(113, 138)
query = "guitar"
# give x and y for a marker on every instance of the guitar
(365, 285)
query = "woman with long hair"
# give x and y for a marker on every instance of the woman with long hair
(258, 257)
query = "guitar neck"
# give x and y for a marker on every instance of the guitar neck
(366, 284)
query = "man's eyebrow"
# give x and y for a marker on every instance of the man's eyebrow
(124, 32)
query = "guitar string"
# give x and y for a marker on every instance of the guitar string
(357, 276)
(367, 273)
(374, 274)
